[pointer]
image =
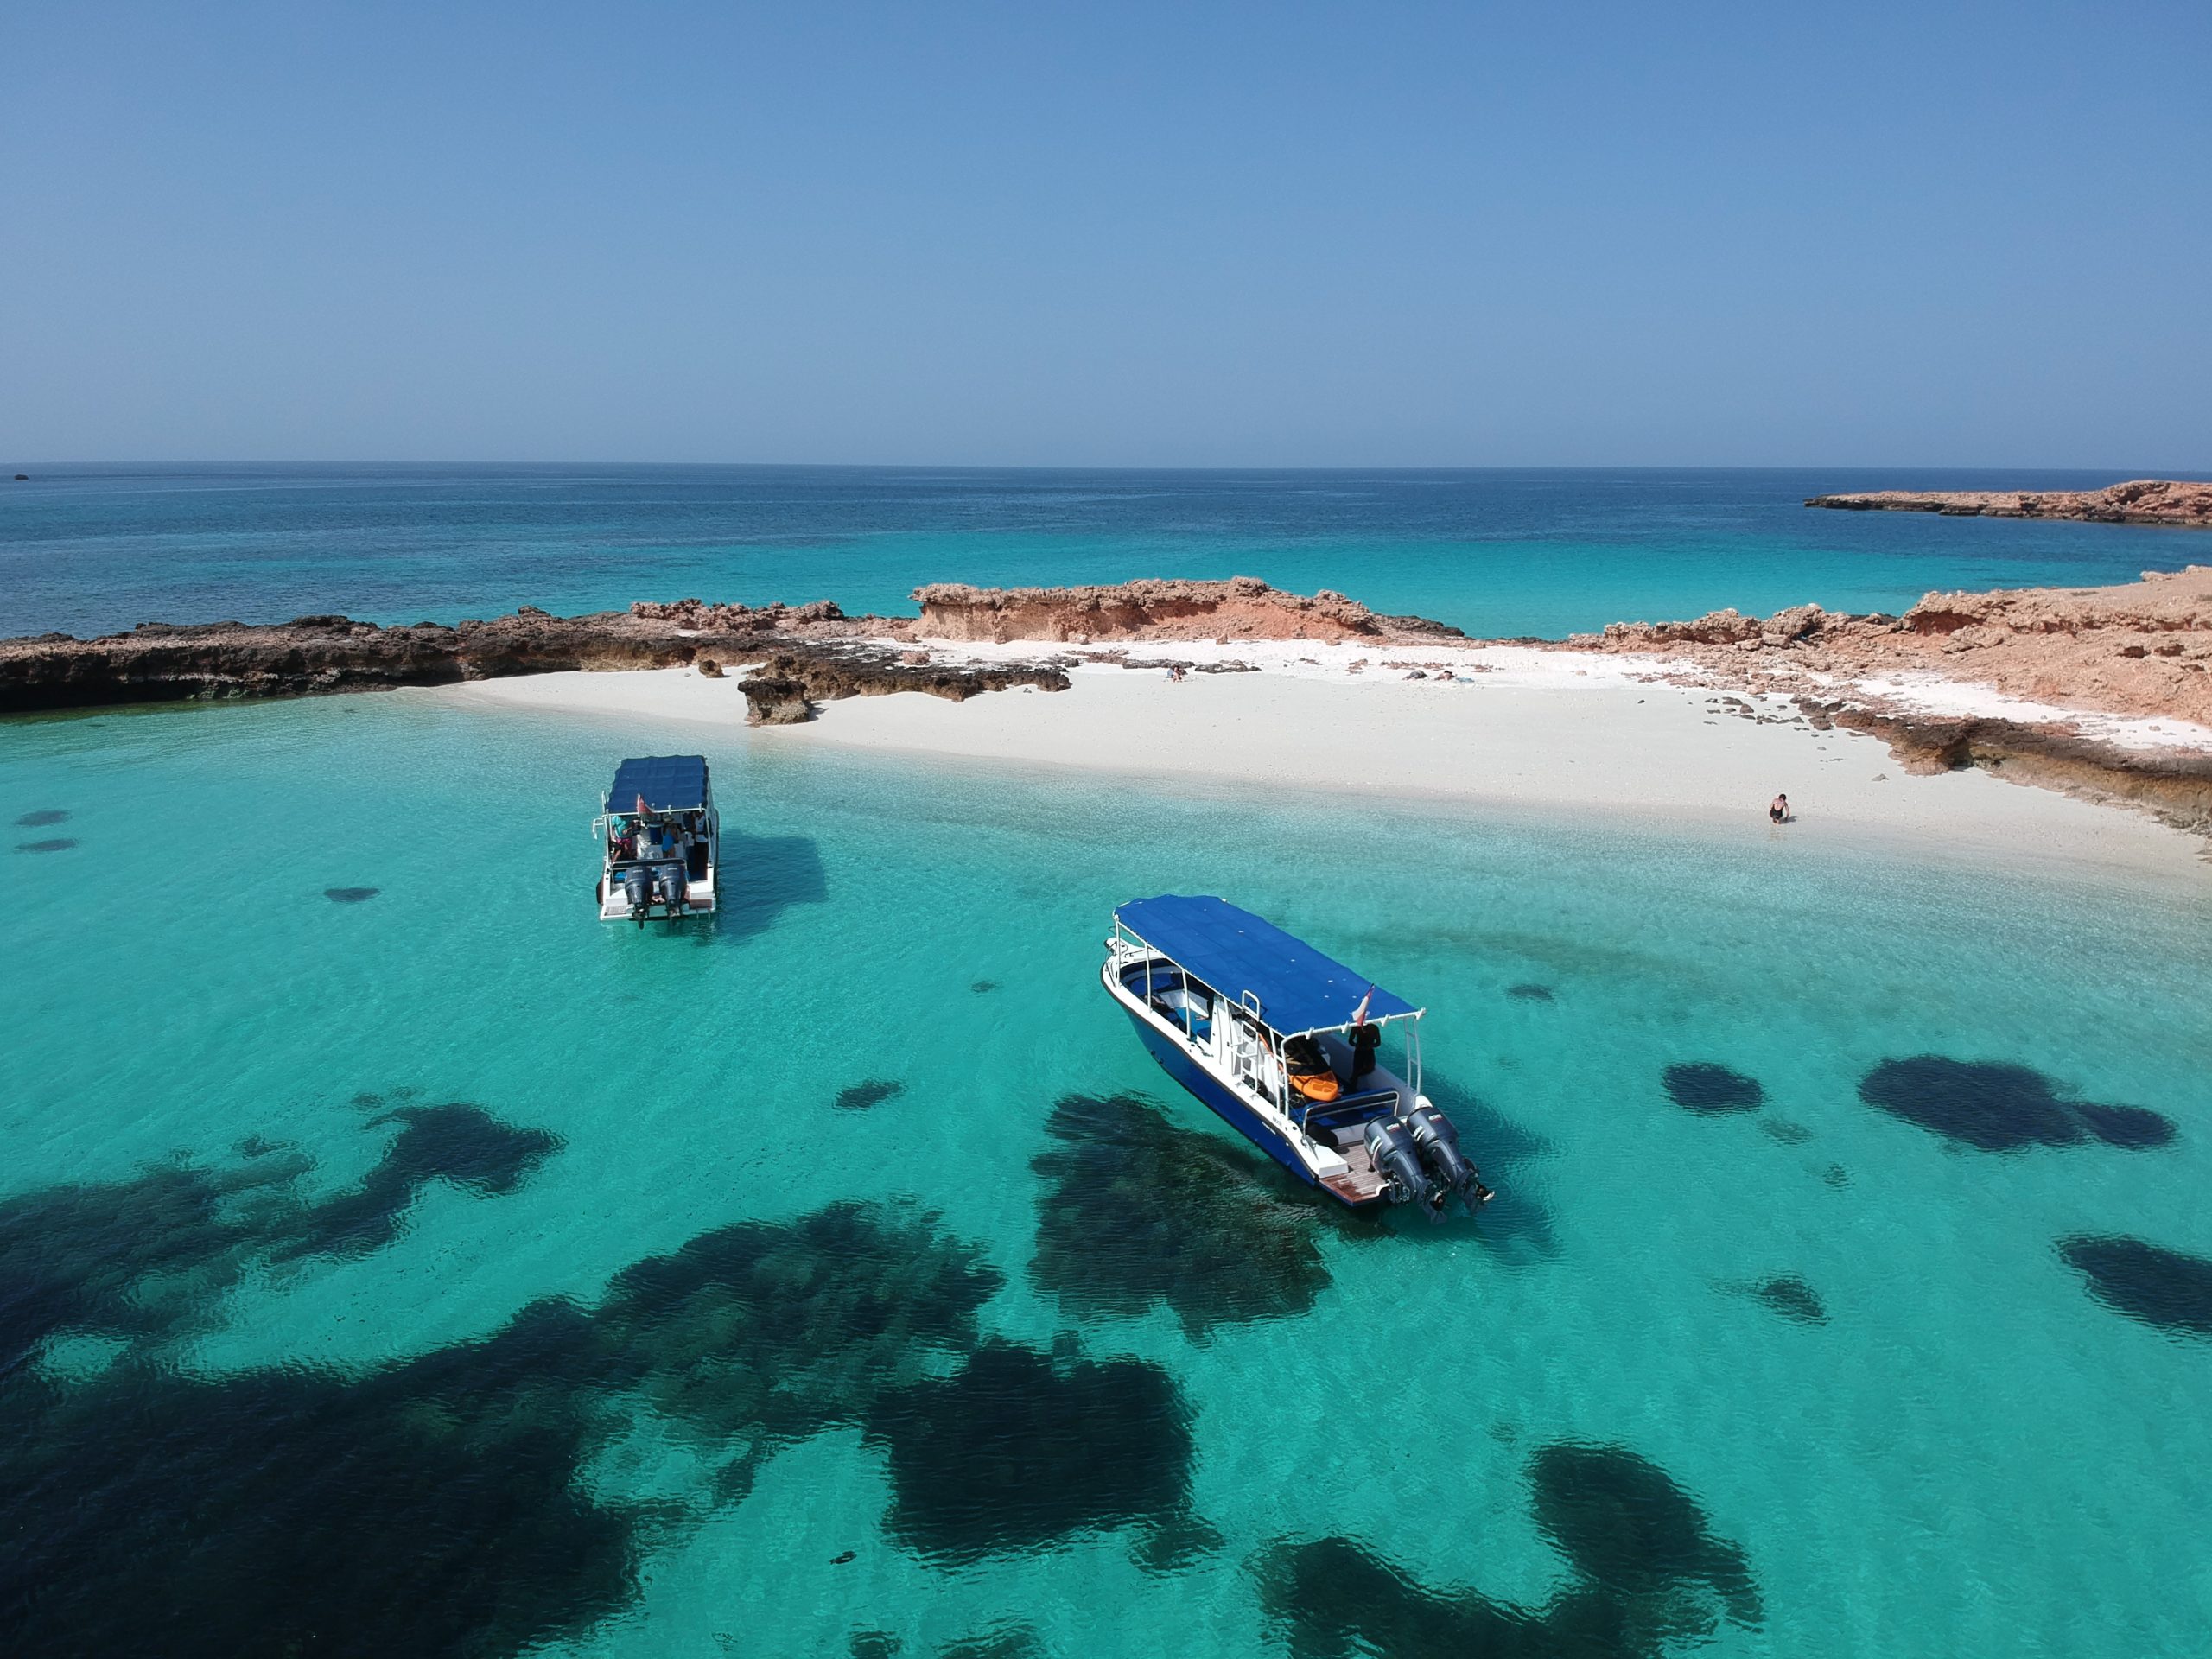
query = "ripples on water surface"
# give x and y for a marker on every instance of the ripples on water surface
(398, 1260)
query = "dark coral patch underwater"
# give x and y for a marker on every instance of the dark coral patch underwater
(456, 1143)
(1792, 1298)
(1705, 1086)
(140, 1260)
(51, 844)
(1995, 1106)
(433, 1506)
(1012, 1640)
(1137, 1210)
(1531, 993)
(872, 1092)
(2158, 1286)
(1647, 1573)
(1017, 1453)
(42, 817)
(350, 895)
(145, 1259)
(767, 1331)
(429, 1507)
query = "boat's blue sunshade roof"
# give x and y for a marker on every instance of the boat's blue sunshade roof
(670, 783)
(1234, 951)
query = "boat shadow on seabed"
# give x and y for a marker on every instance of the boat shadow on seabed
(764, 876)
(1516, 1225)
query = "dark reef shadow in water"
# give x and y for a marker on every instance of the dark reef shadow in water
(1011, 1639)
(872, 1092)
(144, 1260)
(1781, 1130)
(761, 877)
(1789, 1296)
(1706, 1087)
(51, 844)
(1647, 1573)
(139, 1260)
(1531, 992)
(350, 895)
(1017, 1453)
(2158, 1286)
(1995, 1106)
(428, 1508)
(42, 817)
(1136, 1209)
(435, 1506)
(456, 1143)
(984, 986)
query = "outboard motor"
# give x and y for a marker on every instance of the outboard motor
(668, 884)
(1439, 1142)
(637, 883)
(1390, 1144)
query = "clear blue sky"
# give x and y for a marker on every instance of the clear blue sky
(1179, 234)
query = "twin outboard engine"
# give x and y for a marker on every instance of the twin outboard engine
(647, 884)
(1438, 1143)
(668, 885)
(1390, 1144)
(1419, 1159)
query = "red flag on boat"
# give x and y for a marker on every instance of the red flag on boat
(1359, 1013)
(641, 806)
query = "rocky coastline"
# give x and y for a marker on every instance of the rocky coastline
(2140, 501)
(812, 653)
(804, 654)
(2141, 651)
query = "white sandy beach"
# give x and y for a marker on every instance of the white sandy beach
(1562, 734)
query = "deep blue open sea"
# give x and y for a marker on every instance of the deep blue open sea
(89, 549)
(394, 1260)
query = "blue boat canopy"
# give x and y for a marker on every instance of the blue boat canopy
(669, 782)
(1297, 988)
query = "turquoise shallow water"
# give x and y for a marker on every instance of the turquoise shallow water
(322, 1219)
(91, 548)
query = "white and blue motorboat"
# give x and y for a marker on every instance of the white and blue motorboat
(661, 839)
(1283, 1043)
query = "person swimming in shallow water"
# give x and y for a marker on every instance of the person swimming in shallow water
(1778, 810)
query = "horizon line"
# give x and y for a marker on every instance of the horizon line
(2123, 473)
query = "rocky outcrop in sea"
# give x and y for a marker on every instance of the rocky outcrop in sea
(2140, 501)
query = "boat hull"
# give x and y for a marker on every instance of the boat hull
(1209, 1092)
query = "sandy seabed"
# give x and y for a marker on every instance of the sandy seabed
(1593, 737)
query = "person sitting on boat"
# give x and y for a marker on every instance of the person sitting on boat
(1365, 1039)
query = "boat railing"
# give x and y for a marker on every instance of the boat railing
(1349, 1108)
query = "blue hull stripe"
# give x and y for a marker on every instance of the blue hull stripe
(1178, 1064)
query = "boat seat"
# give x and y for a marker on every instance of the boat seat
(1339, 1115)
(1173, 1016)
